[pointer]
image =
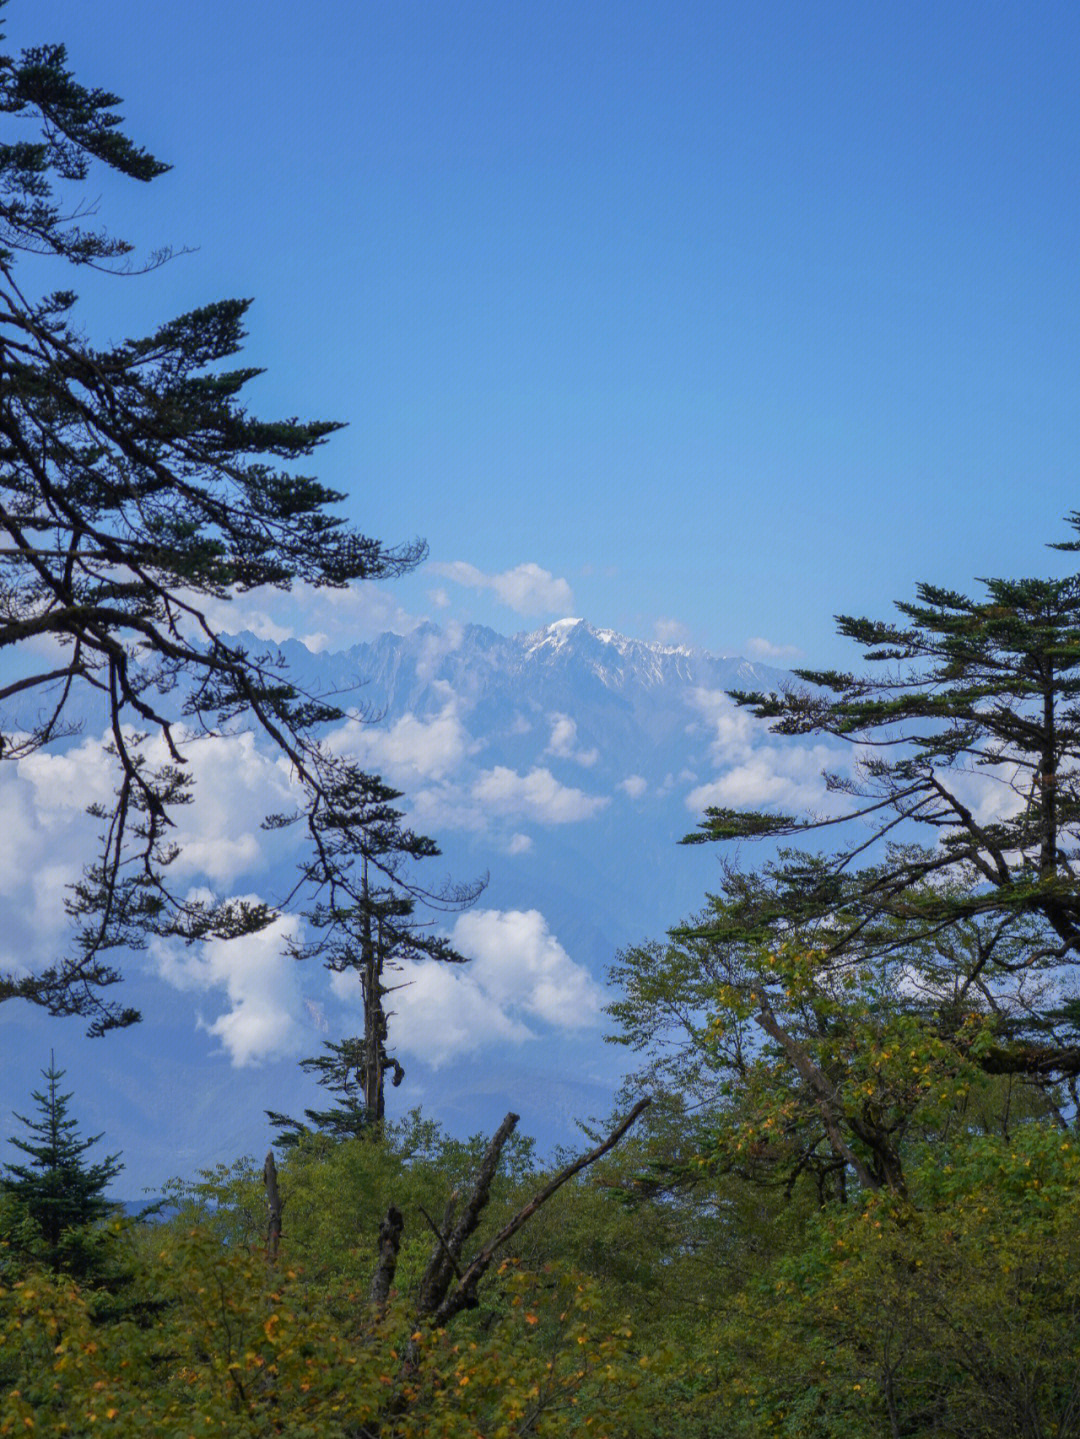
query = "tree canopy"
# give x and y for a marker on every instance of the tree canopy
(136, 490)
(966, 734)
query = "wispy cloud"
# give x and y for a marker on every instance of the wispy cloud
(563, 743)
(320, 618)
(670, 631)
(764, 649)
(527, 588)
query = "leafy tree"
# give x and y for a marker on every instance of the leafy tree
(58, 1191)
(136, 489)
(955, 1314)
(801, 1061)
(967, 730)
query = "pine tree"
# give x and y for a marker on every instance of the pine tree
(340, 1072)
(61, 1194)
(964, 693)
(369, 937)
(135, 490)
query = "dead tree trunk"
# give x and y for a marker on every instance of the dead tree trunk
(275, 1207)
(446, 1256)
(390, 1231)
(439, 1301)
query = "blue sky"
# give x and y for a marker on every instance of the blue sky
(728, 316)
(700, 321)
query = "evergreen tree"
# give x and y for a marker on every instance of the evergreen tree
(369, 938)
(61, 1194)
(136, 489)
(339, 1071)
(968, 732)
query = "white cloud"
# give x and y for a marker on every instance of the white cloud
(321, 618)
(788, 777)
(445, 804)
(563, 743)
(261, 985)
(527, 589)
(519, 975)
(68, 780)
(766, 650)
(757, 772)
(411, 749)
(670, 632)
(521, 964)
(47, 838)
(634, 785)
(734, 729)
(519, 844)
(538, 795)
(434, 646)
(235, 785)
(993, 793)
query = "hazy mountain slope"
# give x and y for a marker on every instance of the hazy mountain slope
(565, 763)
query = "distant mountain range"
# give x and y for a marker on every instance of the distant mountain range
(629, 726)
(565, 763)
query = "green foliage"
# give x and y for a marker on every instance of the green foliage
(240, 1347)
(55, 1205)
(966, 701)
(646, 1300)
(137, 490)
(956, 1313)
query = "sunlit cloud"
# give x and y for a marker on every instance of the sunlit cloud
(537, 795)
(410, 749)
(563, 743)
(519, 981)
(526, 589)
(261, 986)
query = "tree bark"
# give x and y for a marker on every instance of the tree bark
(464, 1295)
(447, 1253)
(275, 1207)
(390, 1231)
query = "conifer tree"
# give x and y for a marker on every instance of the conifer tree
(370, 937)
(62, 1194)
(967, 731)
(136, 490)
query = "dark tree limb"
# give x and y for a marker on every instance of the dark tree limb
(447, 1254)
(390, 1231)
(464, 1295)
(441, 1237)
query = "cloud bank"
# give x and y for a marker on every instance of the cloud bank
(519, 981)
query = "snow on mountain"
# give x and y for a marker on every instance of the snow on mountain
(562, 761)
(565, 763)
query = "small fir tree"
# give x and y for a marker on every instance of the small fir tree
(57, 1190)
